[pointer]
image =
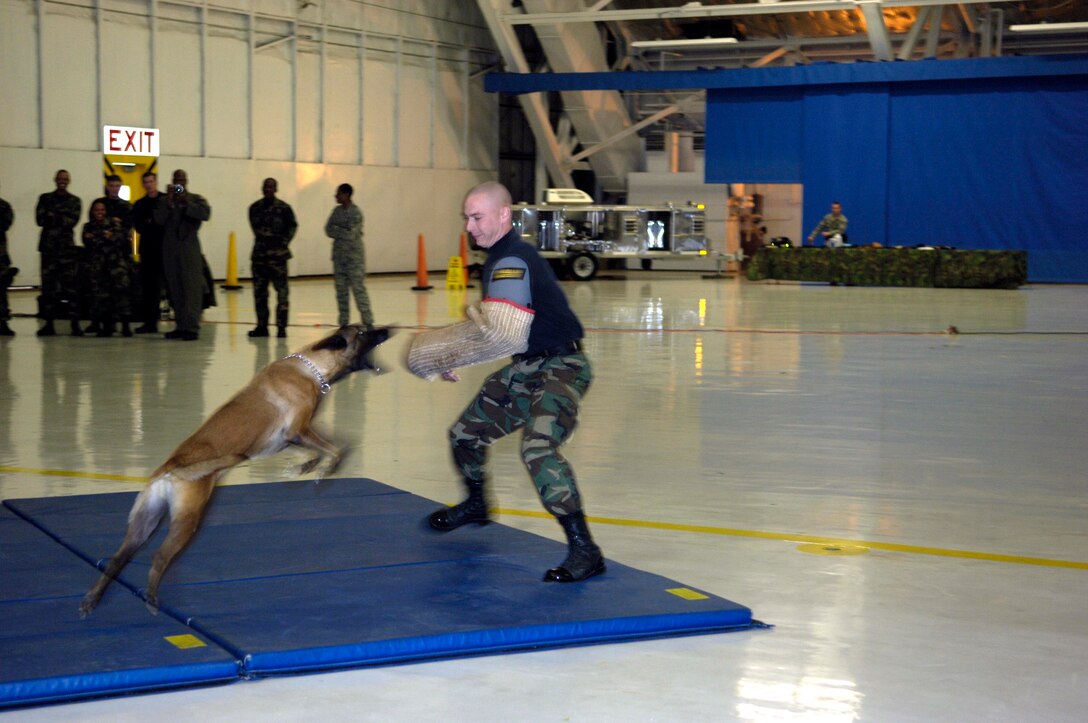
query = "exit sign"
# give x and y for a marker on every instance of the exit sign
(130, 141)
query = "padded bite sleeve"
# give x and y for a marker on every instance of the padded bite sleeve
(495, 329)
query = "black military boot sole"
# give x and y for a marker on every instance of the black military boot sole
(451, 518)
(581, 563)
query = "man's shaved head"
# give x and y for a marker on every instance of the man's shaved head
(487, 213)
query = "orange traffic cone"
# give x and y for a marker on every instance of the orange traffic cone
(421, 268)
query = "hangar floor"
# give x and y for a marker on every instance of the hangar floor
(905, 505)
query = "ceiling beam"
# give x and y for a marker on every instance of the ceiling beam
(632, 129)
(877, 30)
(705, 11)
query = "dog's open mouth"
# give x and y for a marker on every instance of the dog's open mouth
(366, 359)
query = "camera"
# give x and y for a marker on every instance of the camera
(178, 188)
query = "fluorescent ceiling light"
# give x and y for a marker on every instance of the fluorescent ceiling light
(679, 44)
(1050, 28)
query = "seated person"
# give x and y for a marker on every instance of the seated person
(832, 226)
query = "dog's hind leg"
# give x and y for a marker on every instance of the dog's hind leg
(145, 516)
(186, 510)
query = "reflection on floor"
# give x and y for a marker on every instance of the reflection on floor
(905, 504)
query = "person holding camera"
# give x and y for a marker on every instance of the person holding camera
(181, 213)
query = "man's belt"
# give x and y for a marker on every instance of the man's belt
(570, 347)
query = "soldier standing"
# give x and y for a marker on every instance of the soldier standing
(58, 213)
(273, 223)
(109, 262)
(181, 213)
(345, 228)
(7, 272)
(117, 208)
(143, 219)
(119, 211)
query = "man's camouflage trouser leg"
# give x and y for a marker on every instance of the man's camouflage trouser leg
(541, 398)
(276, 273)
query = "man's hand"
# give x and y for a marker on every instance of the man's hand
(450, 376)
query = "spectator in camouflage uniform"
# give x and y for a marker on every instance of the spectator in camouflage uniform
(7, 271)
(120, 212)
(831, 225)
(345, 228)
(58, 213)
(109, 268)
(117, 208)
(273, 223)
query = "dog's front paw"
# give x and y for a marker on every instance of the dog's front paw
(326, 470)
(304, 468)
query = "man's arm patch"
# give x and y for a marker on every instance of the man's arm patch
(500, 274)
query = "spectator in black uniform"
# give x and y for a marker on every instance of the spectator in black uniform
(151, 281)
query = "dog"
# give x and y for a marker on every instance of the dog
(270, 413)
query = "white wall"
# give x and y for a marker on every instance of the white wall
(375, 94)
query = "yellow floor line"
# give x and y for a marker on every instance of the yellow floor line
(789, 537)
(70, 473)
(676, 527)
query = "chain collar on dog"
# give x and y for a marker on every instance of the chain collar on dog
(322, 382)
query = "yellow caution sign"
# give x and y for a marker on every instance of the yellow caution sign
(455, 273)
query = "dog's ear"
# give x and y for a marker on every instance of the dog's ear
(336, 342)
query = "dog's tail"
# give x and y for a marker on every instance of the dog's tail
(147, 512)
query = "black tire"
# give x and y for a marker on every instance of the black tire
(559, 266)
(582, 266)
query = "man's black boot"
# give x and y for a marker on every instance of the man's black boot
(473, 509)
(583, 556)
(76, 330)
(48, 329)
(259, 330)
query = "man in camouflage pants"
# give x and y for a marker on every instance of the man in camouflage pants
(58, 213)
(345, 228)
(525, 313)
(7, 271)
(273, 223)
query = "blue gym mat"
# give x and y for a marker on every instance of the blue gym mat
(299, 576)
(47, 653)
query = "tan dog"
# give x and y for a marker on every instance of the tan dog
(273, 411)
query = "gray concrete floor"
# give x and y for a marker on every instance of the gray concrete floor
(906, 506)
